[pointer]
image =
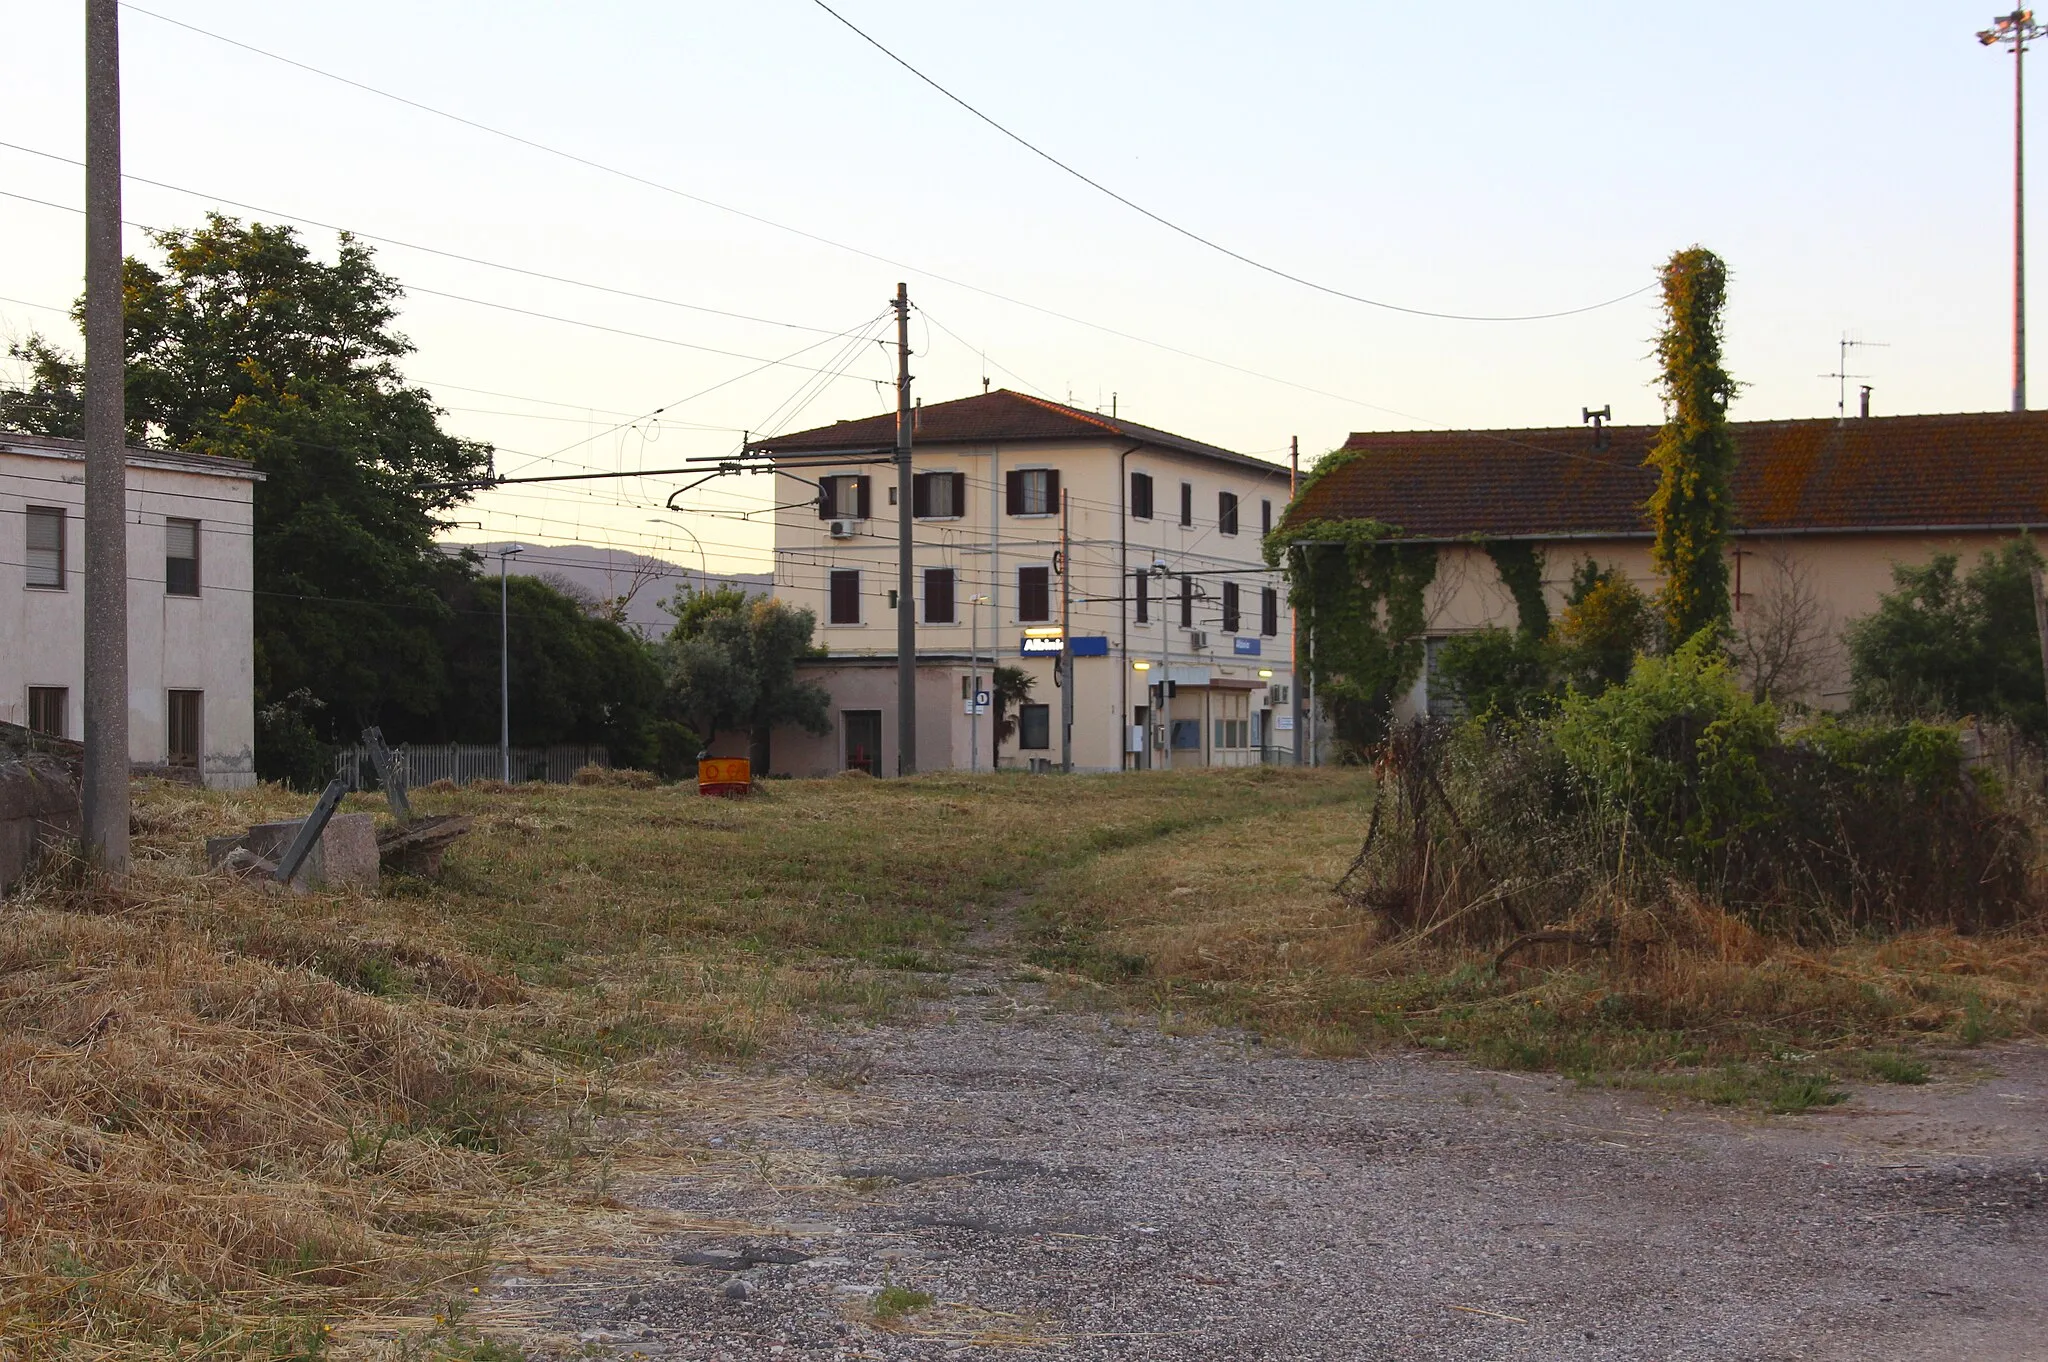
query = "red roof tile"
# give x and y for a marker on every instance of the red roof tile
(1872, 473)
(1001, 417)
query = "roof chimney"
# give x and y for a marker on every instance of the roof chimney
(1866, 399)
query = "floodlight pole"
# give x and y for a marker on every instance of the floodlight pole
(504, 671)
(906, 620)
(104, 796)
(2016, 30)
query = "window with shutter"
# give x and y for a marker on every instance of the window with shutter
(1187, 602)
(938, 596)
(1033, 491)
(1269, 611)
(1226, 512)
(1187, 503)
(1141, 593)
(1230, 608)
(1141, 496)
(183, 737)
(1034, 594)
(181, 557)
(1265, 516)
(844, 496)
(46, 547)
(845, 605)
(938, 496)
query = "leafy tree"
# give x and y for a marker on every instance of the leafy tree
(1606, 623)
(1940, 644)
(1013, 686)
(732, 660)
(1497, 673)
(1693, 506)
(242, 344)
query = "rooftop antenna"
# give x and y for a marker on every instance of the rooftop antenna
(1598, 420)
(1841, 375)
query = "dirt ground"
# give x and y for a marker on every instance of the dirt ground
(1081, 1184)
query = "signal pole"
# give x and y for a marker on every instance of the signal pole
(2016, 30)
(906, 624)
(105, 793)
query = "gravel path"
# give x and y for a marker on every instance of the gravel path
(1082, 1185)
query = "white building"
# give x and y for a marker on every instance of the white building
(191, 672)
(997, 478)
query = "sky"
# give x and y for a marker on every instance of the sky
(1853, 168)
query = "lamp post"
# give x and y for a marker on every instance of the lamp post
(703, 563)
(504, 669)
(974, 604)
(2016, 30)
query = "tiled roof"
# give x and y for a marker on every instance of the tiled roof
(1872, 473)
(24, 443)
(999, 417)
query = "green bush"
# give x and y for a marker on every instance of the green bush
(1497, 673)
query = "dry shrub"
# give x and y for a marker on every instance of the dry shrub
(441, 786)
(616, 777)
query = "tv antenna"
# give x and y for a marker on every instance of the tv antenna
(1841, 375)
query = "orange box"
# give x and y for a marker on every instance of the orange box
(724, 776)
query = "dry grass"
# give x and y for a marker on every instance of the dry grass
(1241, 924)
(240, 1124)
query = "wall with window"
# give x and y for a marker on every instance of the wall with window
(190, 604)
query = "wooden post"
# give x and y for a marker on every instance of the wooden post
(2041, 626)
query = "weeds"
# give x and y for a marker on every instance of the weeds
(894, 1302)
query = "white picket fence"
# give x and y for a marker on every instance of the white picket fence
(465, 762)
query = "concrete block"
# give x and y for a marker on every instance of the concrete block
(345, 854)
(38, 808)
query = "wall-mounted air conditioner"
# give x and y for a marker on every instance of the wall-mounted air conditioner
(1276, 697)
(1197, 639)
(845, 529)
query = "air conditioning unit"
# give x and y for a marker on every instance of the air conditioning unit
(1276, 697)
(845, 529)
(1197, 639)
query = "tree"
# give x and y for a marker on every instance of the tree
(242, 344)
(1693, 506)
(1939, 645)
(1786, 640)
(732, 660)
(1496, 673)
(1013, 687)
(1606, 624)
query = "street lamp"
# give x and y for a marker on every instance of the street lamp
(703, 563)
(504, 669)
(2016, 30)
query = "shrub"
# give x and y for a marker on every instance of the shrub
(1497, 673)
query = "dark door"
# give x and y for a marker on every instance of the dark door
(864, 740)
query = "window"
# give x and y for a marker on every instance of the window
(1187, 503)
(182, 746)
(1032, 491)
(845, 596)
(46, 706)
(1141, 496)
(938, 496)
(46, 547)
(938, 596)
(1231, 733)
(1269, 611)
(1141, 586)
(181, 557)
(844, 496)
(1034, 593)
(1226, 512)
(1187, 602)
(1265, 516)
(1034, 726)
(1230, 608)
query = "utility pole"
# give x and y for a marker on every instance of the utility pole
(974, 685)
(1066, 662)
(504, 671)
(1165, 672)
(1294, 635)
(105, 796)
(906, 623)
(2016, 30)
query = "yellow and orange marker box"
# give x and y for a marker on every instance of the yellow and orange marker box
(730, 776)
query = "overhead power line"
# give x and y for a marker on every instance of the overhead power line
(1197, 237)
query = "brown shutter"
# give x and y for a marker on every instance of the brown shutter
(861, 490)
(1052, 491)
(828, 498)
(1142, 588)
(1013, 492)
(959, 493)
(921, 495)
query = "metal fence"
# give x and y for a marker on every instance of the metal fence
(465, 762)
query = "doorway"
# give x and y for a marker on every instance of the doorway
(864, 740)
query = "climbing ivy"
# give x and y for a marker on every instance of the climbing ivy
(1357, 589)
(1520, 565)
(1693, 506)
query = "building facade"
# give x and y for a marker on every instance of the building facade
(1037, 527)
(1823, 511)
(191, 673)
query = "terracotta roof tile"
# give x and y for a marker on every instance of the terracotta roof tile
(1873, 473)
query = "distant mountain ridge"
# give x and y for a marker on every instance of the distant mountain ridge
(606, 574)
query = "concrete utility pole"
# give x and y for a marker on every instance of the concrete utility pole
(2016, 30)
(1294, 635)
(1066, 662)
(1165, 671)
(105, 796)
(974, 685)
(504, 671)
(906, 623)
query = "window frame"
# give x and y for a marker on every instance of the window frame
(1141, 506)
(952, 615)
(1016, 492)
(30, 516)
(1187, 505)
(829, 488)
(63, 700)
(832, 579)
(170, 587)
(1027, 715)
(1226, 513)
(172, 756)
(1045, 577)
(921, 486)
